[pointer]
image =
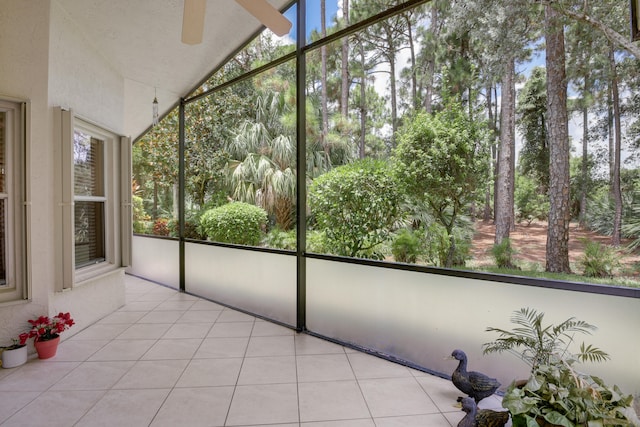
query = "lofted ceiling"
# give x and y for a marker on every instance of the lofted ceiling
(141, 41)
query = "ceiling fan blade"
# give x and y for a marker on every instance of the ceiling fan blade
(193, 21)
(268, 15)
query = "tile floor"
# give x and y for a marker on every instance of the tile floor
(171, 359)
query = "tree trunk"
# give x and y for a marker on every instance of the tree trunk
(363, 103)
(487, 214)
(431, 65)
(323, 56)
(617, 193)
(414, 80)
(504, 185)
(559, 211)
(391, 57)
(344, 98)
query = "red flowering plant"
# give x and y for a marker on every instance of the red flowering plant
(21, 341)
(44, 328)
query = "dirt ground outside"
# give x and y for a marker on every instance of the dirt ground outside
(530, 243)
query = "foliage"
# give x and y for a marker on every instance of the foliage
(565, 397)
(278, 239)
(21, 341)
(139, 215)
(317, 242)
(438, 244)
(406, 246)
(161, 227)
(503, 253)
(236, 222)
(44, 328)
(598, 260)
(530, 202)
(537, 344)
(441, 159)
(356, 206)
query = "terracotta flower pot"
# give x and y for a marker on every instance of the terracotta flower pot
(47, 349)
(14, 357)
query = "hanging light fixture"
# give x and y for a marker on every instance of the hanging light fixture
(155, 108)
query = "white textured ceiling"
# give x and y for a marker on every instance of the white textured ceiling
(141, 40)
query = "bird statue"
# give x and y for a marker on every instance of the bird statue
(482, 417)
(473, 384)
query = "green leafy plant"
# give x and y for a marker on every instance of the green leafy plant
(406, 246)
(236, 222)
(598, 260)
(537, 344)
(556, 394)
(503, 254)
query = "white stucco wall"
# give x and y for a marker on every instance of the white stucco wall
(45, 59)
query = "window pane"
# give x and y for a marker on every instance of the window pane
(87, 164)
(89, 232)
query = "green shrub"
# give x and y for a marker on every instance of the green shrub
(530, 203)
(438, 245)
(406, 246)
(235, 222)
(161, 227)
(140, 217)
(317, 242)
(279, 239)
(503, 253)
(598, 260)
(356, 206)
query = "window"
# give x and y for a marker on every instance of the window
(12, 196)
(95, 204)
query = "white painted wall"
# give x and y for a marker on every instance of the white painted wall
(45, 59)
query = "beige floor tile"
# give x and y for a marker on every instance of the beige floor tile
(211, 372)
(183, 348)
(267, 329)
(441, 391)
(222, 347)
(264, 404)
(36, 375)
(140, 306)
(202, 304)
(271, 346)
(143, 331)
(131, 408)
(368, 366)
(231, 329)
(180, 296)
(306, 344)
(129, 317)
(194, 316)
(188, 330)
(168, 316)
(195, 407)
(54, 409)
(94, 376)
(100, 331)
(78, 350)
(123, 350)
(324, 367)
(431, 420)
(268, 370)
(395, 397)
(346, 423)
(229, 315)
(152, 374)
(175, 305)
(331, 400)
(12, 401)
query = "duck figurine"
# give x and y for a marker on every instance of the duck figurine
(473, 384)
(482, 417)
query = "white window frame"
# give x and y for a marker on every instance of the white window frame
(18, 205)
(117, 201)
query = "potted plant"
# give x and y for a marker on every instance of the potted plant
(15, 354)
(556, 393)
(46, 332)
